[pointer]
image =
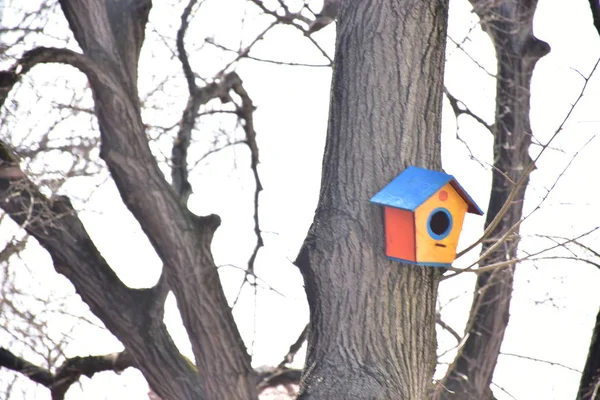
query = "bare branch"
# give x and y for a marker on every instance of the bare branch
(558, 178)
(461, 48)
(198, 96)
(246, 112)
(271, 377)
(440, 322)
(37, 374)
(328, 15)
(41, 55)
(460, 108)
(512, 262)
(73, 368)
(69, 372)
(503, 390)
(282, 375)
(553, 363)
(242, 53)
(295, 347)
(498, 218)
(11, 248)
(249, 57)
(185, 63)
(179, 170)
(124, 311)
(286, 17)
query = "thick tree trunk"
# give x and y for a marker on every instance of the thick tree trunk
(509, 24)
(372, 328)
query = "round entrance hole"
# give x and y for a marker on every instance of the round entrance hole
(439, 224)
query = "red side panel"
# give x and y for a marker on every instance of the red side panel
(399, 234)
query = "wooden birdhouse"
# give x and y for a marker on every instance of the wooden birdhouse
(423, 214)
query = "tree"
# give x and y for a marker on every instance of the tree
(110, 36)
(372, 328)
(379, 123)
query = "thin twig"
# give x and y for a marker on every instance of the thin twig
(451, 331)
(553, 363)
(460, 108)
(500, 215)
(276, 62)
(508, 263)
(294, 348)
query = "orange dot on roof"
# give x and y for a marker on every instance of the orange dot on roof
(443, 195)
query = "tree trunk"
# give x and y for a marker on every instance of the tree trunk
(372, 326)
(589, 386)
(509, 24)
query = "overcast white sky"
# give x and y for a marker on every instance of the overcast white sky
(555, 301)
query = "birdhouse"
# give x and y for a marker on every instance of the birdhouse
(423, 215)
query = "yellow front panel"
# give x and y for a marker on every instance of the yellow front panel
(438, 222)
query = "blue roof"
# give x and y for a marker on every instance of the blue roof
(412, 187)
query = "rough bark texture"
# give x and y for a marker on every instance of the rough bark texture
(372, 327)
(111, 34)
(135, 317)
(509, 24)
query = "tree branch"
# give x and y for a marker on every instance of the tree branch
(460, 108)
(451, 331)
(327, 15)
(246, 112)
(181, 239)
(37, 374)
(271, 377)
(179, 169)
(531, 167)
(282, 375)
(53, 222)
(553, 363)
(69, 372)
(41, 55)
(133, 316)
(200, 96)
(295, 347)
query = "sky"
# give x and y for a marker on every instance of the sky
(555, 301)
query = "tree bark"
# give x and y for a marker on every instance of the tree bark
(589, 386)
(110, 34)
(372, 326)
(135, 317)
(509, 24)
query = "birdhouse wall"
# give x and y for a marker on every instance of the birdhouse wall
(438, 222)
(399, 234)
